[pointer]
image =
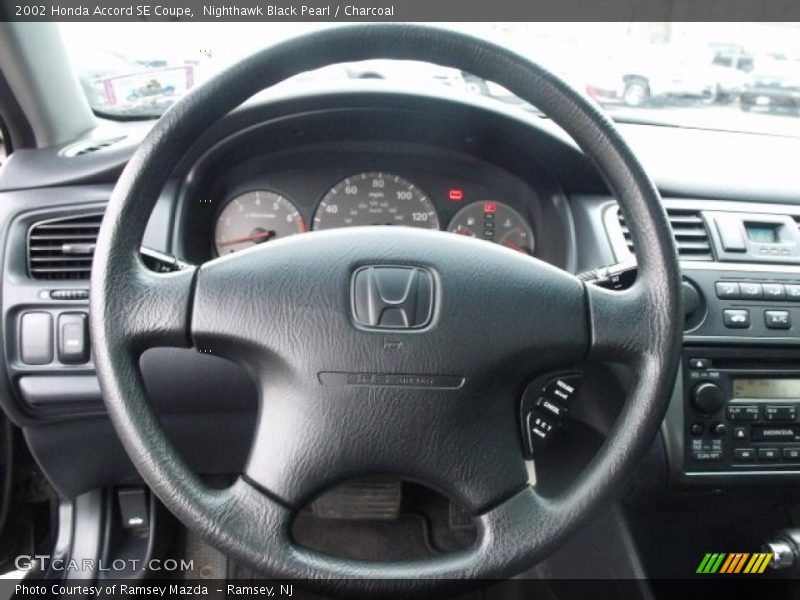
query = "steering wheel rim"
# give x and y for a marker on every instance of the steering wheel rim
(132, 309)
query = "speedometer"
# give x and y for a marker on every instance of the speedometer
(375, 199)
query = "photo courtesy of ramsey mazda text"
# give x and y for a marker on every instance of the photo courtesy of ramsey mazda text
(376, 310)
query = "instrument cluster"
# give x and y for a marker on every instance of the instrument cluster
(261, 214)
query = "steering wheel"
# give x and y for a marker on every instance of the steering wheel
(383, 350)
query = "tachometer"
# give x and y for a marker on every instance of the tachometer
(494, 222)
(254, 218)
(375, 199)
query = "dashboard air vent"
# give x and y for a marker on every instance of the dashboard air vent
(62, 248)
(689, 229)
(89, 147)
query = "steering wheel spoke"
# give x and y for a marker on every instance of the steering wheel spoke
(258, 527)
(152, 309)
(625, 323)
(511, 535)
(464, 443)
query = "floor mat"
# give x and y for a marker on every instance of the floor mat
(402, 538)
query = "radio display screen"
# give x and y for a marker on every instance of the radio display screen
(775, 389)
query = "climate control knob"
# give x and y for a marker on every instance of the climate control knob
(707, 398)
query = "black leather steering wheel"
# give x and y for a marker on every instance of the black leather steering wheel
(328, 410)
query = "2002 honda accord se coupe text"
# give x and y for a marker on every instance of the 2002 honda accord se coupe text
(387, 309)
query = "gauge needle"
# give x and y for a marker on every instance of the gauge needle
(516, 247)
(261, 236)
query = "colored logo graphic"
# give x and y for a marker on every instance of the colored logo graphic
(734, 562)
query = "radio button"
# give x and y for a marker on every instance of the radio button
(699, 363)
(738, 412)
(780, 413)
(777, 319)
(791, 454)
(792, 292)
(744, 454)
(729, 290)
(736, 318)
(774, 291)
(706, 455)
(740, 433)
(768, 454)
(751, 291)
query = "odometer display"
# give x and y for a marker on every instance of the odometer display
(375, 199)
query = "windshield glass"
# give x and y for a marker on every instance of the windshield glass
(730, 76)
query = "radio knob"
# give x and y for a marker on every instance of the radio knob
(718, 429)
(707, 398)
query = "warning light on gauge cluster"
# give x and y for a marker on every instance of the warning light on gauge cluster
(456, 194)
(489, 207)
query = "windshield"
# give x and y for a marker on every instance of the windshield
(730, 76)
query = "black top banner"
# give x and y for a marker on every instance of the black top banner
(401, 10)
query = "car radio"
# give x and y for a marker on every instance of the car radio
(741, 410)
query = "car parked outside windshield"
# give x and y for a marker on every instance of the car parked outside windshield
(729, 76)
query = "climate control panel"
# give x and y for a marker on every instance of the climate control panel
(743, 305)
